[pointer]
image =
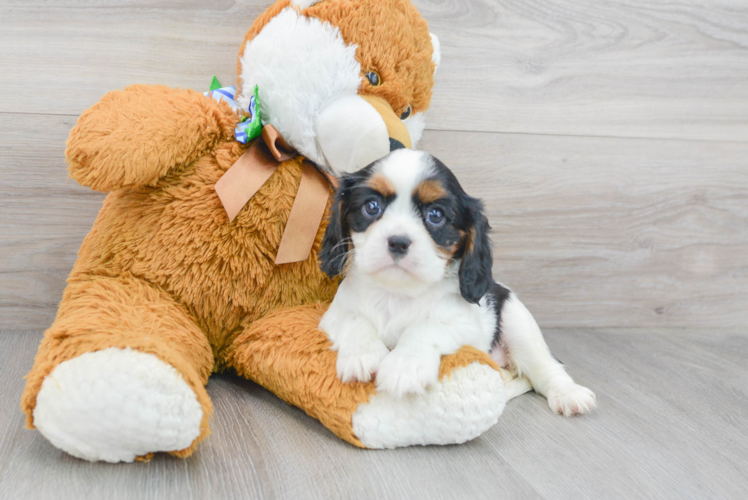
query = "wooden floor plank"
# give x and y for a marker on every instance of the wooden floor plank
(665, 427)
(671, 424)
(628, 68)
(589, 231)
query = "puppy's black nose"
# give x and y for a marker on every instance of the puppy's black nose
(398, 245)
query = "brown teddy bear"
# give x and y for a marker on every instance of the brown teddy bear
(169, 287)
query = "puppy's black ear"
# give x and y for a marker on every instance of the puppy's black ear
(334, 252)
(475, 269)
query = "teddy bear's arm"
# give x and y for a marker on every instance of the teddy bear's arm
(134, 137)
(286, 353)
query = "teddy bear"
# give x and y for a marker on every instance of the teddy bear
(172, 285)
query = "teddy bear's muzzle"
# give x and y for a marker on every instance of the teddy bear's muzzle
(355, 130)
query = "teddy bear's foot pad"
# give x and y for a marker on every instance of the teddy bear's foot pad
(459, 408)
(115, 405)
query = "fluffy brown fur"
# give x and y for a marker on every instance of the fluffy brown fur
(164, 272)
(305, 374)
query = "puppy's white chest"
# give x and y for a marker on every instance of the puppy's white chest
(390, 315)
(393, 315)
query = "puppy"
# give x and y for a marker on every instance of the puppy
(414, 251)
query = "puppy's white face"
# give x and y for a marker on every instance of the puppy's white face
(402, 221)
(390, 237)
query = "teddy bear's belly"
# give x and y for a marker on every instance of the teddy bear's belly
(177, 237)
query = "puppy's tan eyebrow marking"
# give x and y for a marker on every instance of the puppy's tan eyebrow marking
(378, 182)
(429, 191)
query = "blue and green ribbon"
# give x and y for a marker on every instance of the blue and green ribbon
(251, 125)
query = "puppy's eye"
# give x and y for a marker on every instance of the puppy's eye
(374, 79)
(372, 209)
(406, 113)
(435, 217)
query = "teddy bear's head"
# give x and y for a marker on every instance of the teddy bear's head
(343, 81)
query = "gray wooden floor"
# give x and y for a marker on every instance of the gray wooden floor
(671, 424)
(609, 140)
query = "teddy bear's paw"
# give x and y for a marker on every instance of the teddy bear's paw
(571, 399)
(115, 405)
(457, 408)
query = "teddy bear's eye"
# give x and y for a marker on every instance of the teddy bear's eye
(406, 113)
(374, 79)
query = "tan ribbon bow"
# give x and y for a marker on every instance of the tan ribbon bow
(245, 177)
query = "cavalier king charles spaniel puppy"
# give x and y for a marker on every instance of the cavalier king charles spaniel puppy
(415, 256)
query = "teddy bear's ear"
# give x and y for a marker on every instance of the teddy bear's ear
(303, 4)
(436, 56)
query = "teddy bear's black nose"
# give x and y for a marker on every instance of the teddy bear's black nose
(395, 144)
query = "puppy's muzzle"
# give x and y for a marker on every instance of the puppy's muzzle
(398, 246)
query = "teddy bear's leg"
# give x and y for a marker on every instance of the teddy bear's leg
(287, 354)
(120, 374)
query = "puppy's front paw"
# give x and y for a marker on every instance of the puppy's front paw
(401, 374)
(572, 399)
(359, 363)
